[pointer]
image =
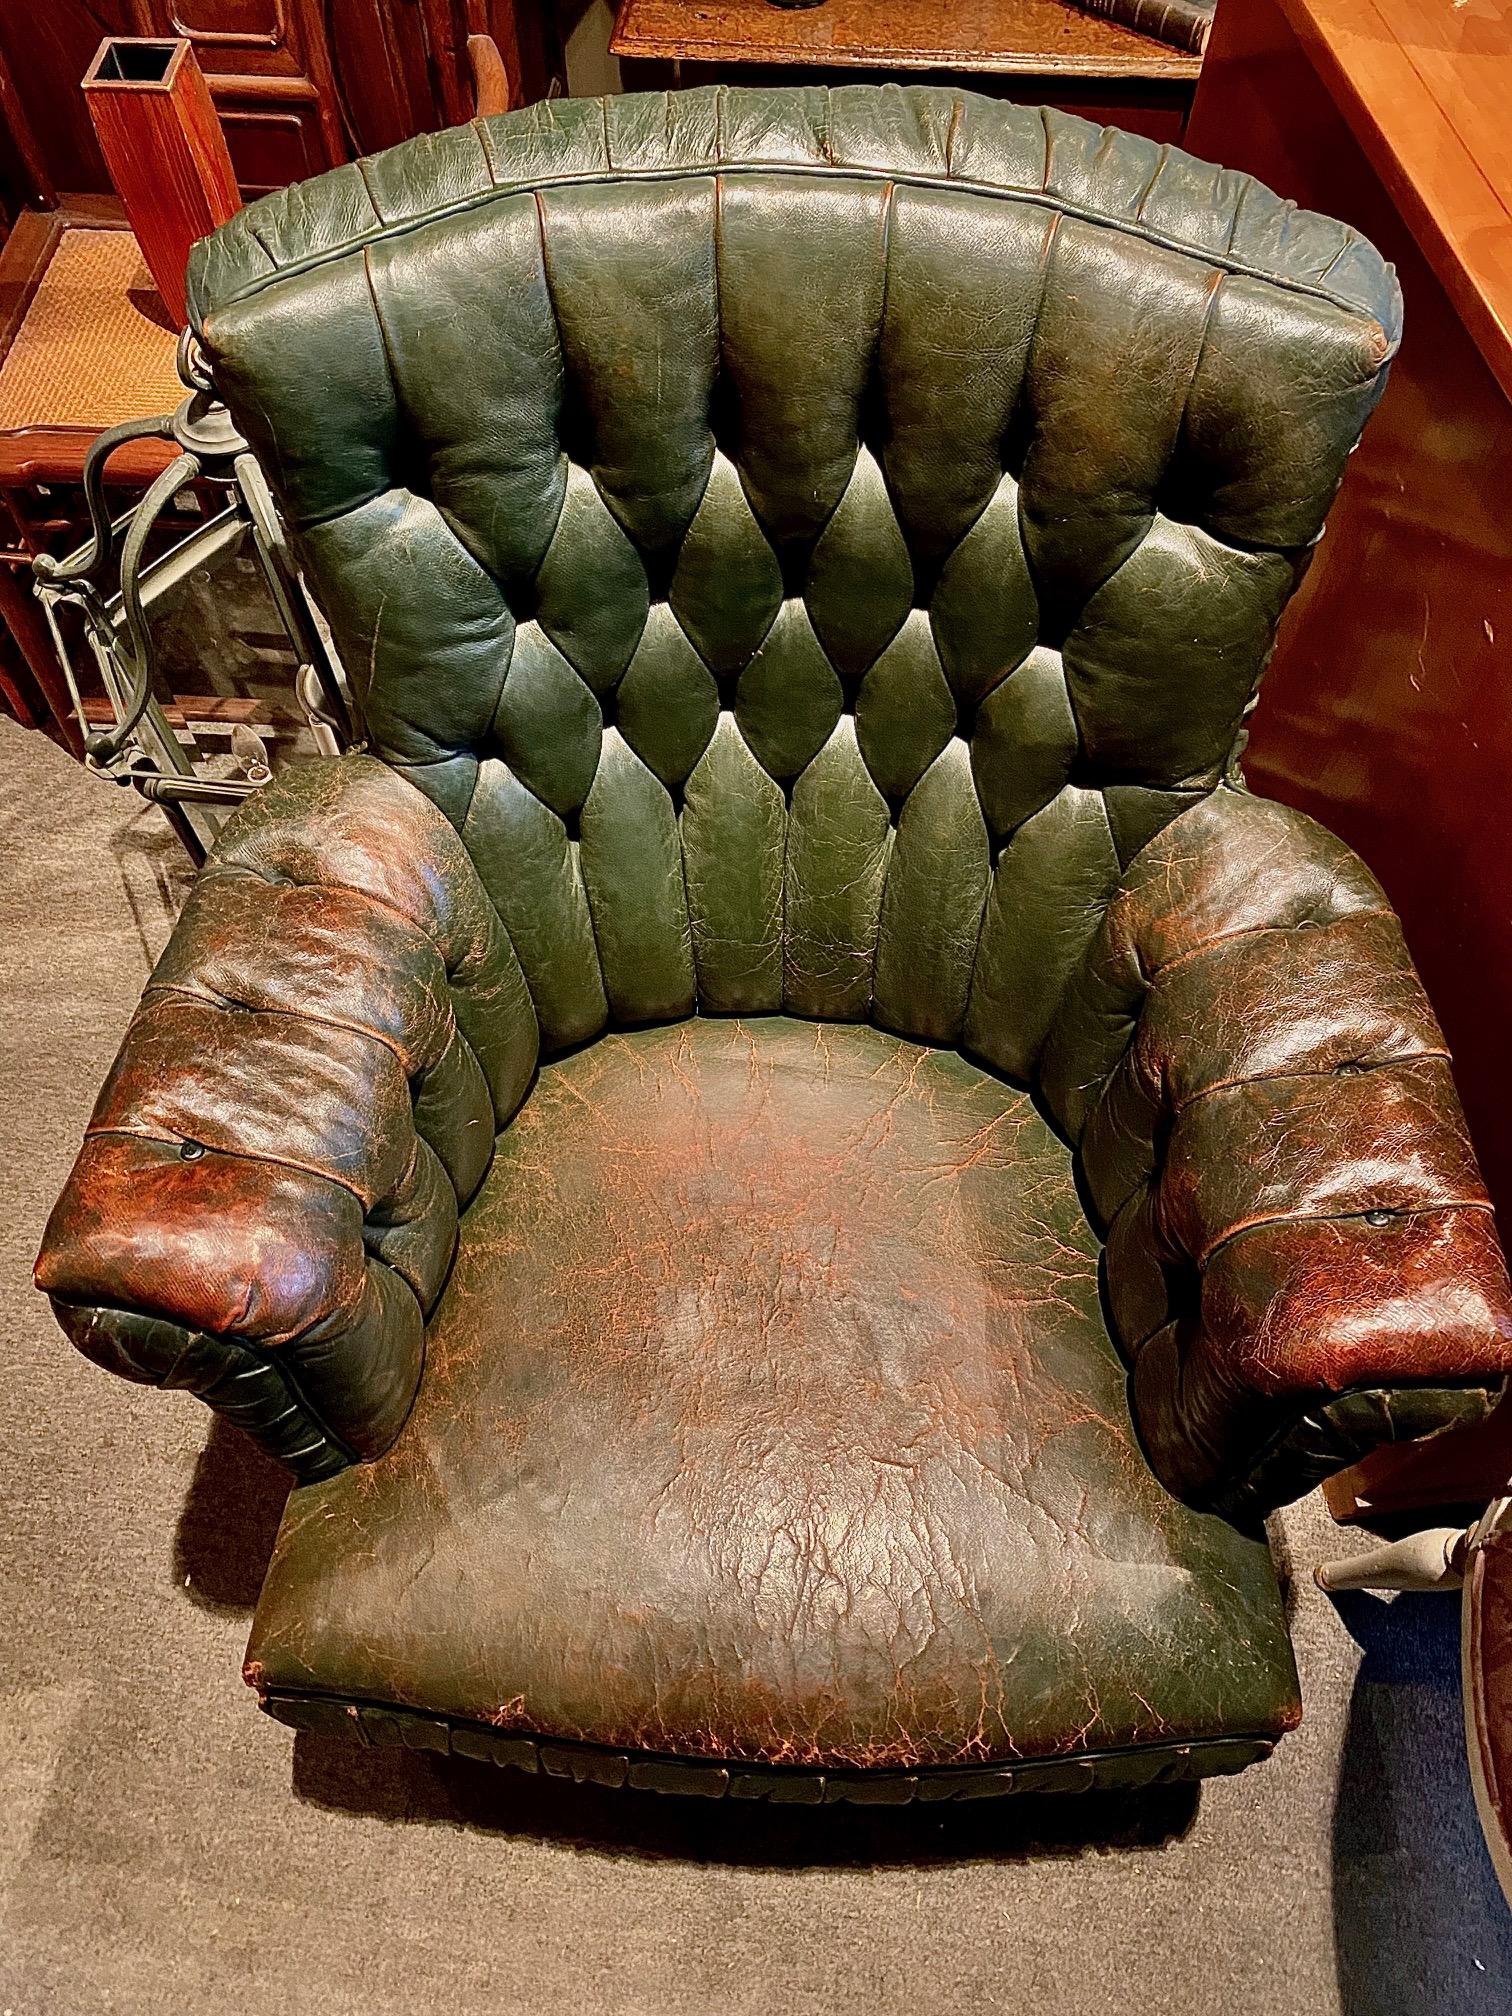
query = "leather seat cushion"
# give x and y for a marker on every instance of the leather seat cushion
(770, 1415)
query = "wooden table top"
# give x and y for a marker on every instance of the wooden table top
(1006, 37)
(1426, 86)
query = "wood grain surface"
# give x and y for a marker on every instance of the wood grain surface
(1425, 87)
(1387, 713)
(1005, 36)
(165, 150)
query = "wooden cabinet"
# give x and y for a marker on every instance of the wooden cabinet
(300, 85)
(1388, 711)
(269, 69)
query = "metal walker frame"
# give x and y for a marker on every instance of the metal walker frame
(140, 748)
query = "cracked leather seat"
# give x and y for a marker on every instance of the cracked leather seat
(788, 1157)
(836, 1426)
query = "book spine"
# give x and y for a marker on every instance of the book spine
(1184, 24)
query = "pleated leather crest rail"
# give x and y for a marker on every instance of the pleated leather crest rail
(800, 538)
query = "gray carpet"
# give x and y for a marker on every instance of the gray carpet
(163, 1847)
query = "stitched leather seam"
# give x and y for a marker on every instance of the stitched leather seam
(782, 887)
(1261, 1220)
(889, 209)
(1162, 162)
(402, 764)
(575, 859)
(94, 1133)
(1233, 231)
(564, 460)
(1215, 290)
(228, 1005)
(401, 414)
(716, 261)
(1222, 938)
(679, 809)
(1042, 199)
(1181, 1106)
(459, 1036)
(480, 127)
(367, 187)
(953, 132)
(472, 792)
(1046, 251)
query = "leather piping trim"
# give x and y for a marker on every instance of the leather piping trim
(1223, 261)
(557, 1756)
(93, 1133)
(404, 764)
(1180, 1106)
(1152, 975)
(228, 1004)
(281, 881)
(1259, 1222)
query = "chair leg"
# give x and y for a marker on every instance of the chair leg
(1431, 1560)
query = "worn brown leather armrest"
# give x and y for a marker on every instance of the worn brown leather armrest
(265, 1206)
(1301, 1258)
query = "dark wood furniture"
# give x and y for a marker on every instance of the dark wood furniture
(1033, 50)
(157, 127)
(1389, 708)
(82, 345)
(299, 85)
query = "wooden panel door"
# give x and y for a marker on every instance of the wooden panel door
(269, 69)
(266, 61)
(300, 85)
(402, 65)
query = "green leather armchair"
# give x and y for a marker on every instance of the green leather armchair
(788, 1157)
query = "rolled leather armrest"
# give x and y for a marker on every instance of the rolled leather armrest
(265, 1206)
(1301, 1260)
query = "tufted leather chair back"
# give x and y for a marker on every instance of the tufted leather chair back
(806, 542)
